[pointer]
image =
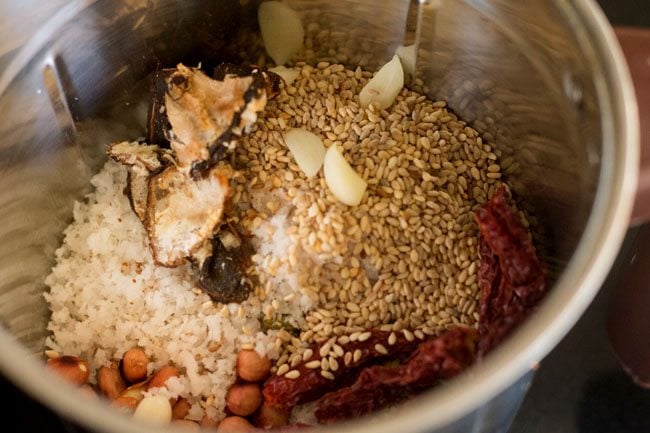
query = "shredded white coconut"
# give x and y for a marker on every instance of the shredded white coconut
(107, 296)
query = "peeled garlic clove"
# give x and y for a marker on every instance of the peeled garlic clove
(407, 56)
(289, 75)
(282, 31)
(307, 149)
(343, 182)
(154, 410)
(384, 86)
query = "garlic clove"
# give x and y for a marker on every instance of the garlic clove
(282, 31)
(154, 410)
(289, 75)
(307, 149)
(343, 182)
(407, 56)
(384, 87)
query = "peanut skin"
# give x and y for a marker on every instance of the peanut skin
(207, 422)
(110, 382)
(134, 365)
(73, 369)
(244, 399)
(181, 409)
(251, 366)
(124, 402)
(136, 391)
(160, 377)
(270, 418)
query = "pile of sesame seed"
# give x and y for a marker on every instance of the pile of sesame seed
(405, 260)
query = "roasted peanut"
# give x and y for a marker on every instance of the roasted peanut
(244, 399)
(235, 424)
(160, 377)
(71, 368)
(134, 364)
(110, 382)
(270, 418)
(251, 366)
(124, 402)
(186, 424)
(181, 409)
(207, 422)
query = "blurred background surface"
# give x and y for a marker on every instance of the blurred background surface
(579, 388)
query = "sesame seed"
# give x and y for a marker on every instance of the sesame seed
(293, 374)
(282, 359)
(213, 346)
(284, 368)
(343, 339)
(408, 335)
(327, 375)
(52, 354)
(381, 349)
(324, 350)
(406, 257)
(313, 364)
(364, 336)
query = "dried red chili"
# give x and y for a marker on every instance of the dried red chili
(512, 281)
(285, 393)
(511, 277)
(376, 387)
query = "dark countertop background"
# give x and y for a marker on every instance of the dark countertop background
(627, 12)
(579, 388)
